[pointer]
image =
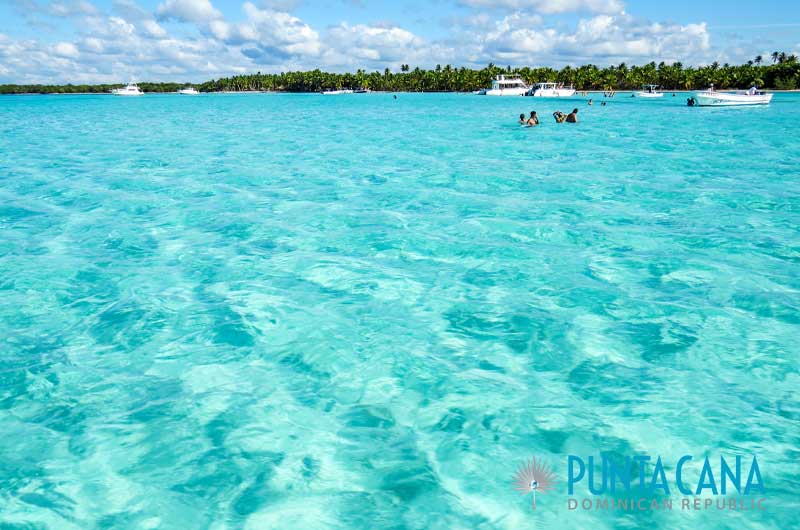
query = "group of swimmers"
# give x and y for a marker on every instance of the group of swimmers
(559, 116)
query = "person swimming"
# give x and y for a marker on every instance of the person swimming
(591, 102)
(559, 116)
(572, 117)
(533, 120)
(522, 119)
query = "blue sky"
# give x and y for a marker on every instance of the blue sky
(193, 40)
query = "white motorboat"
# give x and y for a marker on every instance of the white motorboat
(649, 91)
(131, 89)
(188, 91)
(553, 90)
(337, 92)
(502, 86)
(712, 98)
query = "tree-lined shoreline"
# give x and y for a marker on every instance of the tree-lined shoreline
(777, 72)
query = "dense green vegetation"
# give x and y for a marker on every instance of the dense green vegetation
(85, 89)
(780, 71)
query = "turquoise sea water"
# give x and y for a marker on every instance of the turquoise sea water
(297, 311)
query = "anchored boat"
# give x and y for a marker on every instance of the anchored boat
(502, 86)
(131, 89)
(337, 92)
(712, 98)
(188, 91)
(552, 90)
(649, 91)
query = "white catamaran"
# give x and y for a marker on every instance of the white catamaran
(502, 86)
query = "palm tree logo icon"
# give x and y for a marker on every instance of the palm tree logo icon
(533, 476)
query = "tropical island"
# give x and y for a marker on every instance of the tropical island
(780, 71)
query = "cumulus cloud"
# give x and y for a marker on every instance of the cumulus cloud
(92, 45)
(603, 38)
(375, 43)
(268, 36)
(188, 11)
(151, 28)
(129, 42)
(112, 49)
(66, 49)
(127, 10)
(551, 6)
(72, 8)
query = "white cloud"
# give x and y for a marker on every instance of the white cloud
(375, 43)
(602, 39)
(268, 37)
(113, 50)
(131, 13)
(92, 45)
(66, 49)
(188, 11)
(152, 28)
(70, 8)
(130, 43)
(552, 6)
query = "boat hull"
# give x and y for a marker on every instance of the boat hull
(506, 92)
(128, 93)
(553, 92)
(727, 99)
(649, 94)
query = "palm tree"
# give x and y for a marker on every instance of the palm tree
(785, 73)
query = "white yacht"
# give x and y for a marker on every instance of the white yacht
(553, 90)
(502, 86)
(188, 91)
(712, 98)
(337, 92)
(131, 89)
(649, 91)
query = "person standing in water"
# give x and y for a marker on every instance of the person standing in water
(533, 120)
(572, 117)
(522, 119)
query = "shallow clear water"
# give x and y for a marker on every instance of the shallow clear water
(296, 311)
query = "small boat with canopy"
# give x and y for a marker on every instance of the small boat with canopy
(649, 91)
